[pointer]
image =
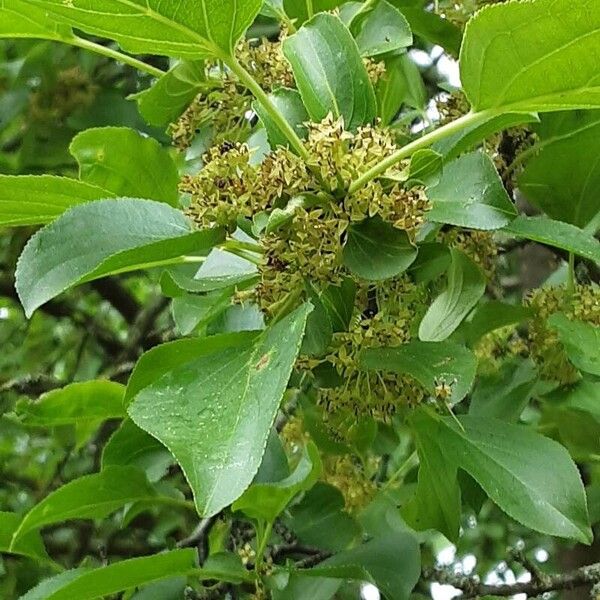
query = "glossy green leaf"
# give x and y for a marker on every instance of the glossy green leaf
(502, 70)
(329, 72)
(425, 168)
(39, 199)
(162, 359)
(31, 544)
(89, 497)
(214, 413)
(466, 285)
(267, 501)
(561, 178)
(172, 93)
(319, 330)
(18, 19)
(78, 403)
(319, 519)
(504, 394)
(222, 269)
(581, 341)
(274, 465)
(437, 501)
(381, 28)
(131, 446)
(401, 84)
(392, 563)
(90, 584)
(195, 310)
(583, 396)
(470, 136)
(428, 363)
(338, 301)
(470, 194)
(556, 234)
(492, 315)
(432, 261)
(99, 238)
(289, 103)
(126, 163)
(431, 27)
(298, 9)
(182, 28)
(530, 477)
(376, 250)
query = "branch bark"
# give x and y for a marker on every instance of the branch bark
(540, 583)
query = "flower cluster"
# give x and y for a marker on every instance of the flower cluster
(224, 102)
(582, 304)
(399, 305)
(354, 480)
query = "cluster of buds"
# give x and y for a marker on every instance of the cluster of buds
(354, 480)
(479, 246)
(582, 304)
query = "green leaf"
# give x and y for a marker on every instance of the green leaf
(329, 72)
(43, 590)
(338, 301)
(319, 519)
(584, 396)
(401, 84)
(186, 28)
(392, 563)
(432, 261)
(191, 310)
(90, 584)
(18, 19)
(89, 497)
(376, 250)
(381, 28)
(469, 137)
(267, 501)
(172, 93)
(470, 194)
(319, 330)
(31, 544)
(561, 178)
(502, 70)
(162, 359)
(437, 502)
(289, 103)
(220, 270)
(581, 341)
(214, 412)
(425, 168)
(556, 234)
(530, 477)
(504, 394)
(427, 362)
(274, 465)
(126, 163)
(492, 315)
(39, 199)
(297, 9)
(131, 446)
(431, 27)
(466, 285)
(100, 238)
(78, 403)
